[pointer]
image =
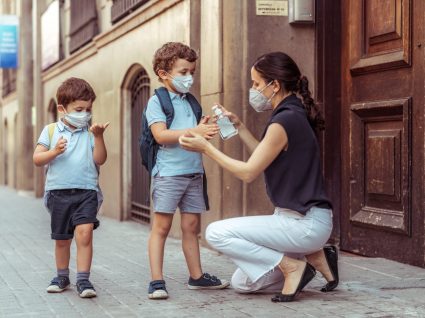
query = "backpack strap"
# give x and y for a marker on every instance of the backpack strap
(196, 107)
(166, 104)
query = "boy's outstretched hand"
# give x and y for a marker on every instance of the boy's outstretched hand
(98, 129)
(206, 130)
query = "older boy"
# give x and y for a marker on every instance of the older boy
(178, 174)
(73, 153)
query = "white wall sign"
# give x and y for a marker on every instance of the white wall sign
(272, 7)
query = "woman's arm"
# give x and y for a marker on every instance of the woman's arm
(267, 150)
(248, 138)
(164, 136)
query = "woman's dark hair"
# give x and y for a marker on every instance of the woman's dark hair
(280, 67)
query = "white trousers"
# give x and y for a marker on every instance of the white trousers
(256, 244)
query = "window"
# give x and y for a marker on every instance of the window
(83, 23)
(122, 8)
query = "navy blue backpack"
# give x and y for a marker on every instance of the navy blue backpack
(147, 143)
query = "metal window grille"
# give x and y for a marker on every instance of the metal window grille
(83, 23)
(140, 187)
(122, 8)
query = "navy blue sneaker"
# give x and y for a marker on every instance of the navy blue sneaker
(207, 281)
(86, 289)
(157, 290)
(58, 284)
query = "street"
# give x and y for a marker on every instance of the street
(120, 273)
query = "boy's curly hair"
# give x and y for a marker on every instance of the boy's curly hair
(74, 89)
(169, 53)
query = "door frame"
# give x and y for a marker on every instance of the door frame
(328, 97)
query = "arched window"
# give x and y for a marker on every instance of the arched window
(53, 111)
(140, 179)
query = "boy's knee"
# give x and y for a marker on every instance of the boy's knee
(161, 230)
(84, 234)
(190, 227)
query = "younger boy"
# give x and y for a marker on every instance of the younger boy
(73, 153)
(178, 174)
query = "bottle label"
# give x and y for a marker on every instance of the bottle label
(227, 129)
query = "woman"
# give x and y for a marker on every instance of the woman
(289, 156)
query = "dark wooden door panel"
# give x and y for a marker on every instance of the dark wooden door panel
(382, 35)
(383, 143)
(380, 165)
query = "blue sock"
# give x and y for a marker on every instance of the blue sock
(63, 272)
(83, 276)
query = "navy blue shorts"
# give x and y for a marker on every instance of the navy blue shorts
(69, 208)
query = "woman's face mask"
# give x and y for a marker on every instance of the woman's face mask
(258, 101)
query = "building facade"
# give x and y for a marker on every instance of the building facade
(365, 71)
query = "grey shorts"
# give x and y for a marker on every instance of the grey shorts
(185, 192)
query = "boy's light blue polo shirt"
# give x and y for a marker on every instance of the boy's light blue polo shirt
(75, 168)
(172, 160)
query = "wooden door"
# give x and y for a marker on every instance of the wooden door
(382, 128)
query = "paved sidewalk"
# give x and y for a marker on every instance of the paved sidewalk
(120, 273)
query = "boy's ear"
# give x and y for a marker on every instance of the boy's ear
(61, 108)
(162, 74)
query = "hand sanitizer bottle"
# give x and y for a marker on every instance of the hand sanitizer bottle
(227, 129)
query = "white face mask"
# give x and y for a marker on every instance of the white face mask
(78, 119)
(183, 83)
(258, 101)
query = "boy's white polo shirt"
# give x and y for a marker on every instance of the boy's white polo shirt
(75, 168)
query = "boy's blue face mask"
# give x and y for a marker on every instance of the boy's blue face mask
(183, 83)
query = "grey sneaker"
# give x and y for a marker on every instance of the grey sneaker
(58, 284)
(85, 289)
(207, 281)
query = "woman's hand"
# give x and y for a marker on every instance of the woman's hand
(233, 118)
(192, 141)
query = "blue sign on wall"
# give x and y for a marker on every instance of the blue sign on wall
(9, 34)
